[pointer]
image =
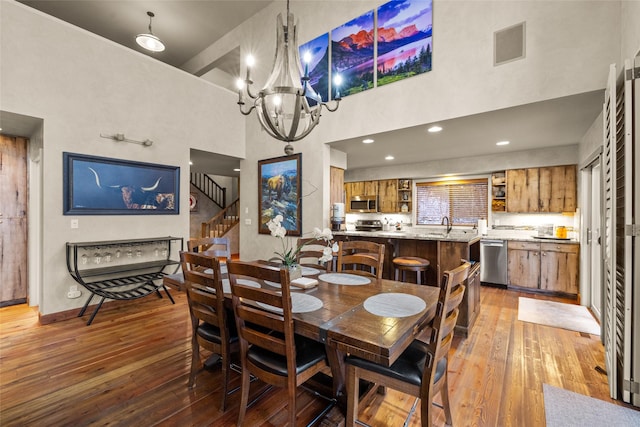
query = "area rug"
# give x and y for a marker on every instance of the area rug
(557, 314)
(564, 408)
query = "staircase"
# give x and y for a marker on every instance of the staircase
(210, 188)
(222, 222)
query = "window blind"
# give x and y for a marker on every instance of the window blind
(463, 201)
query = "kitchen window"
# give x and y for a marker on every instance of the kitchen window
(463, 201)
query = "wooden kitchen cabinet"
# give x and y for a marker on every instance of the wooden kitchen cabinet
(546, 189)
(557, 189)
(559, 267)
(524, 264)
(388, 195)
(336, 179)
(359, 188)
(522, 190)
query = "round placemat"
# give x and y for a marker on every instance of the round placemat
(226, 285)
(394, 304)
(344, 279)
(300, 303)
(310, 271)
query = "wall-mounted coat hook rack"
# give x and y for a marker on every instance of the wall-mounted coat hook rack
(121, 138)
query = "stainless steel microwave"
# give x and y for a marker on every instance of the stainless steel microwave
(364, 204)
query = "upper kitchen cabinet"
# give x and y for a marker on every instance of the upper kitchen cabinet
(546, 189)
(359, 188)
(388, 195)
(522, 188)
(558, 189)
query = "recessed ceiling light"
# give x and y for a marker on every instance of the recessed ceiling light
(389, 158)
(367, 141)
(502, 143)
(434, 129)
(190, 162)
(236, 170)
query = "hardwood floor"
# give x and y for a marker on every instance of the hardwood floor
(131, 366)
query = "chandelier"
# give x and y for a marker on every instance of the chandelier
(288, 108)
(148, 40)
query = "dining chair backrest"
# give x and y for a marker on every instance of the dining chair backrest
(252, 319)
(212, 325)
(452, 290)
(361, 257)
(267, 340)
(218, 247)
(311, 252)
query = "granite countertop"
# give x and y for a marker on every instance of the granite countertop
(467, 236)
(524, 236)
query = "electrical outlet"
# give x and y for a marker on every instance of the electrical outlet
(247, 221)
(74, 223)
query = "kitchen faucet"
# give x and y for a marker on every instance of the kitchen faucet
(446, 219)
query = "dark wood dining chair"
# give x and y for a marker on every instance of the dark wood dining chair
(212, 326)
(278, 357)
(218, 247)
(361, 257)
(311, 253)
(421, 370)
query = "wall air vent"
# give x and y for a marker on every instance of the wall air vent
(509, 44)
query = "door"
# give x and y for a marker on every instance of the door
(13, 220)
(593, 240)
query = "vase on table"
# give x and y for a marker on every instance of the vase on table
(295, 271)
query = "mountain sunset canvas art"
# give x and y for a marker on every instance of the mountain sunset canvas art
(404, 39)
(352, 51)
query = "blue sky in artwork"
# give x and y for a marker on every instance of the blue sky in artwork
(317, 47)
(363, 22)
(398, 14)
(278, 168)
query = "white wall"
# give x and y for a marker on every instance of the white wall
(560, 41)
(81, 86)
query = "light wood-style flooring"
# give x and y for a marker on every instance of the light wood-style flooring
(130, 368)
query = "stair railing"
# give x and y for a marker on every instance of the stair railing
(222, 221)
(210, 188)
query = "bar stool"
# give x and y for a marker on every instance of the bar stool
(411, 263)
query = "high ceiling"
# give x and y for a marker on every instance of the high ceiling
(188, 27)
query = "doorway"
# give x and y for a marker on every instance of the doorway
(14, 190)
(592, 189)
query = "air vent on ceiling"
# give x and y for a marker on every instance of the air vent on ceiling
(509, 44)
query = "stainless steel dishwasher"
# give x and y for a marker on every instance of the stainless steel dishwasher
(493, 262)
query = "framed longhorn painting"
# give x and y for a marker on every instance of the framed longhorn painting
(279, 193)
(103, 186)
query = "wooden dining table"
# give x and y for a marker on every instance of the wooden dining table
(346, 326)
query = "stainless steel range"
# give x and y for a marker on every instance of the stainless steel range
(368, 225)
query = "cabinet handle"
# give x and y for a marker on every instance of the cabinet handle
(544, 254)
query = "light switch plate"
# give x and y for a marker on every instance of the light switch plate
(247, 221)
(74, 223)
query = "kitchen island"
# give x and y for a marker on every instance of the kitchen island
(443, 250)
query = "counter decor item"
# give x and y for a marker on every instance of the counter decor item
(287, 256)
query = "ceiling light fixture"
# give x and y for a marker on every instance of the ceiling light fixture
(236, 170)
(149, 41)
(367, 141)
(389, 158)
(502, 143)
(434, 129)
(288, 108)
